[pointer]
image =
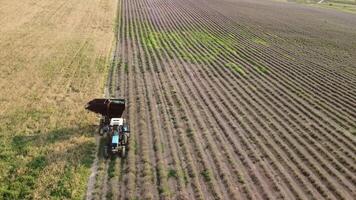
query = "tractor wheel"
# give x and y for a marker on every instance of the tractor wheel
(100, 129)
(123, 152)
(124, 139)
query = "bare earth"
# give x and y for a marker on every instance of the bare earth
(234, 99)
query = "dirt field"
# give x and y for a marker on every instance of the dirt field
(348, 6)
(233, 99)
(53, 58)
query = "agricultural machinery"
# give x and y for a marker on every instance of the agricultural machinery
(113, 127)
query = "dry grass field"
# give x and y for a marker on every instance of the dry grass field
(53, 58)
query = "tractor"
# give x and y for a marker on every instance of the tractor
(113, 127)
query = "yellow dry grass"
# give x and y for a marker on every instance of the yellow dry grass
(53, 59)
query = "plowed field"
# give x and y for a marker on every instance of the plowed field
(223, 106)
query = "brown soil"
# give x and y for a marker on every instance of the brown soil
(234, 100)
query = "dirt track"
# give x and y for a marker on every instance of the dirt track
(221, 107)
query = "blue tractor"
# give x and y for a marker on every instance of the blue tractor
(118, 136)
(112, 125)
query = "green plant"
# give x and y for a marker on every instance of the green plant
(126, 67)
(240, 179)
(172, 173)
(206, 175)
(189, 132)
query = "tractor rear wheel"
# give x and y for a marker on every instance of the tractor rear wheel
(123, 152)
(100, 128)
(124, 139)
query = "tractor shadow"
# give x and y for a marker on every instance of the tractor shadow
(82, 153)
(65, 148)
(51, 137)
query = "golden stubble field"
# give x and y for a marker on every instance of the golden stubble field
(53, 58)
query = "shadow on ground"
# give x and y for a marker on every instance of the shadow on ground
(24, 159)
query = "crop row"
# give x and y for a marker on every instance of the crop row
(217, 115)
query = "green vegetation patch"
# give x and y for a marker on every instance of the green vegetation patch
(236, 68)
(27, 155)
(206, 175)
(180, 42)
(151, 41)
(261, 69)
(172, 173)
(260, 41)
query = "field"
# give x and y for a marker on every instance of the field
(229, 99)
(53, 58)
(340, 5)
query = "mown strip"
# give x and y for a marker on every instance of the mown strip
(54, 63)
